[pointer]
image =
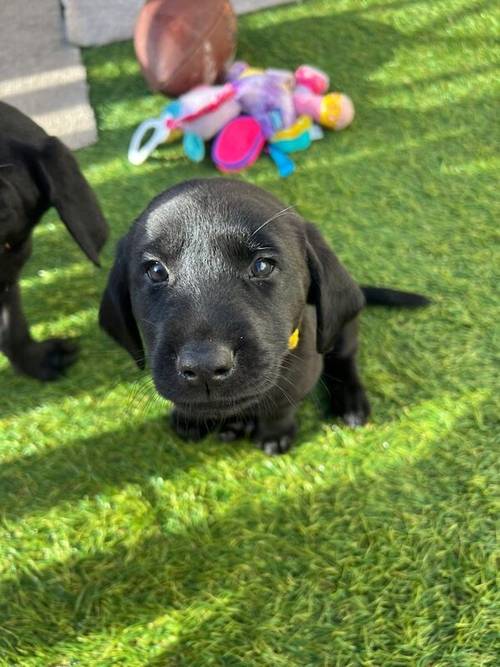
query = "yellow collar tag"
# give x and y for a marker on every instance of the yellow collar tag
(293, 341)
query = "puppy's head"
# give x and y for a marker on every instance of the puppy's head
(36, 175)
(212, 280)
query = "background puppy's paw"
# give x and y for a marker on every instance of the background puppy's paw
(351, 405)
(235, 430)
(48, 360)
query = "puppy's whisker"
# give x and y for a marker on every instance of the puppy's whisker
(274, 217)
(286, 364)
(273, 382)
(139, 394)
(325, 386)
(267, 401)
(134, 404)
(150, 402)
(286, 379)
(139, 401)
(332, 378)
(278, 386)
(302, 357)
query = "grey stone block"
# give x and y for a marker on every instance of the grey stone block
(41, 74)
(93, 22)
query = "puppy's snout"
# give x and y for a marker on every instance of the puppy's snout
(205, 362)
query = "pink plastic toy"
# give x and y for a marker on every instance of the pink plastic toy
(238, 145)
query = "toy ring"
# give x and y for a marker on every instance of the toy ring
(137, 153)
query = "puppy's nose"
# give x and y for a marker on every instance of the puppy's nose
(204, 362)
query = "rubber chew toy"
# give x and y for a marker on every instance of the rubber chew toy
(138, 149)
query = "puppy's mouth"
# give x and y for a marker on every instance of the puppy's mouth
(220, 403)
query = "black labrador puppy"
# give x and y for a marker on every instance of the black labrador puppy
(240, 305)
(37, 172)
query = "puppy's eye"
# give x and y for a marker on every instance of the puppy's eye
(156, 272)
(262, 267)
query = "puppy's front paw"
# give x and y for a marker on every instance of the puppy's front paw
(188, 429)
(236, 429)
(47, 360)
(351, 405)
(276, 441)
(276, 445)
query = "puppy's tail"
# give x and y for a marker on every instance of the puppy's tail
(382, 296)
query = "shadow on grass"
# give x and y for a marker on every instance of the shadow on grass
(100, 367)
(93, 465)
(371, 548)
(113, 459)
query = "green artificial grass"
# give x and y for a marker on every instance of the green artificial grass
(121, 545)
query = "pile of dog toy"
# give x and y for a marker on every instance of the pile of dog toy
(272, 110)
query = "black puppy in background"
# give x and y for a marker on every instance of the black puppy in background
(36, 173)
(241, 306)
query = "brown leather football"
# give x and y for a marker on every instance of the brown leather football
(183, 43)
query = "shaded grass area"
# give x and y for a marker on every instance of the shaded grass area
(120, 545)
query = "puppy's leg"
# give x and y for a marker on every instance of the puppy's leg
(347, 396)
(274, 434)
(190, 428)
(44, 360)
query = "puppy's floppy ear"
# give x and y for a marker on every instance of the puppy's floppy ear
(64, 185)
(337, 298)
(9, 197)
(115, 313)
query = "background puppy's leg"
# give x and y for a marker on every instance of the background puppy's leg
(347, 395)
(44, 360)
(274, 434)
